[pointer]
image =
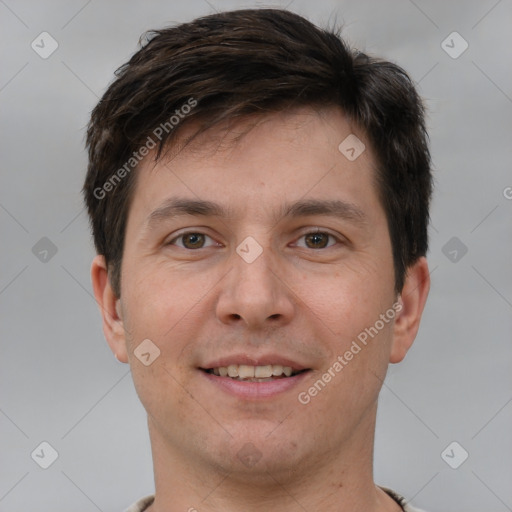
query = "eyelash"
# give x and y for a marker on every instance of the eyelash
(318, 232)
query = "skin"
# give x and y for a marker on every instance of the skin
(305, 299)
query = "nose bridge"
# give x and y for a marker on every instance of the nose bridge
(253, 291)
(253, 269)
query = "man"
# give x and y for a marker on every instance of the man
(259, 195)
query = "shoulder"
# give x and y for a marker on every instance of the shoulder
(401, 501)
(142, 504)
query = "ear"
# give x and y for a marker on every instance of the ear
(110, 307)
(412, 299)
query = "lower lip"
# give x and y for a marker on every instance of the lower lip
(255, 390)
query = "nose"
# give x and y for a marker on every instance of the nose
(255, 293)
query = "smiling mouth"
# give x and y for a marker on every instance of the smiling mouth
(248, 373)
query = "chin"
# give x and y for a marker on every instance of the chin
(258, 451)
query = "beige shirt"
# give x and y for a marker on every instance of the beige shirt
(144, 503)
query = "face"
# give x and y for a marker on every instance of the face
(276, 260)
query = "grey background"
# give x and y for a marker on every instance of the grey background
(59, 381)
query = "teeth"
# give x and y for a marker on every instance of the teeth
(253, 373)
(245, 371)
(277, 369)
(263, 372)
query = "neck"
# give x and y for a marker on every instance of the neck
(341, 481)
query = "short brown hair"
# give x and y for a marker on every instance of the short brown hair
(247, 62)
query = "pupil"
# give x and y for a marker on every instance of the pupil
(194, 239)
(316, 236)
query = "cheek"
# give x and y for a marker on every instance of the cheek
(161, 301)
(164, 311)
(346, 301)
(349, 383)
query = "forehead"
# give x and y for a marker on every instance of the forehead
(295, 125)
(279, 157)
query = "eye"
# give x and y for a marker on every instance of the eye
(191, 240)
(318, 239)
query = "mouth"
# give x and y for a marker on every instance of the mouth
(248, 373)
(255, 382)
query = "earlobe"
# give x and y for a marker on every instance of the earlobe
(413, 298)
(110, 308)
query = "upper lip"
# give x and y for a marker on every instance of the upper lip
(262, 360)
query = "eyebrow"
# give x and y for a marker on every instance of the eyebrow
(177, 206)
